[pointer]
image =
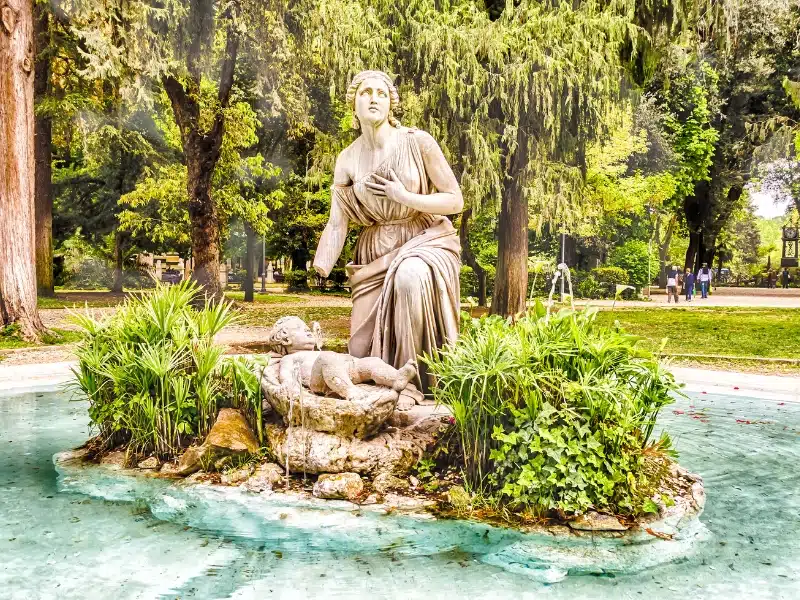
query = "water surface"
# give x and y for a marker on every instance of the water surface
(63, 545)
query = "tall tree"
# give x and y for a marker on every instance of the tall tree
(752, 61)
(43, 138)
(514, 91)
(17, 214)
(202, 141)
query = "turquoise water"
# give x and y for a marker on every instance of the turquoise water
(66, 545)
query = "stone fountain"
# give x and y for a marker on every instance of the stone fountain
(328, 412)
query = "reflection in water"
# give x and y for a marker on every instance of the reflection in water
(62, 545)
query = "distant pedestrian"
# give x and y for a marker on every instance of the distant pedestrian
(785, 278)
(672, 285)
(688, 285)
(704, 277)
(772, 279)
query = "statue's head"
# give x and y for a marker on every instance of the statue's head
(373, 98)
(291, 334)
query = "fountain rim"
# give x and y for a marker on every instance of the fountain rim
(48, 377)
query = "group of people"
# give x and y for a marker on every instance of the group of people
(689, 281)
(772, 279)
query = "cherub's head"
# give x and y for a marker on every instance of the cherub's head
(291, 334)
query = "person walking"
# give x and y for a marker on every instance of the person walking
(771, 279)
(688, 285)
(785, 278)
(672, 285)
(704, 277)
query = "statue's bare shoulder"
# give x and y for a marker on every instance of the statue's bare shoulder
(344, 172)
(426, 142)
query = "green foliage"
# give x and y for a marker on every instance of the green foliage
(590, 288)
(636, 260)
(554, 412)
(611, 275)
(296, 280)
(154, 377)
(687, 121)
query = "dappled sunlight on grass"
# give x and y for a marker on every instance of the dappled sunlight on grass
(743, 332)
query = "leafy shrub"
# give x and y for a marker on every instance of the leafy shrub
(611, 275)
(338, 277)
(633, 256)
(296, 280)
(590, 288)
(154, 377)
(554, 413)
(92, 273)
(469, 281)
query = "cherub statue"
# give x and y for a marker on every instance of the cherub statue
(325, 372)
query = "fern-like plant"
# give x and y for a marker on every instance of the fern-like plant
(154, 377)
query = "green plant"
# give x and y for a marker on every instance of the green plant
(554, 412)
(338, 278)
(296, 280)
(589, 287)
(611, 275)
(637, 261)
(154, 377)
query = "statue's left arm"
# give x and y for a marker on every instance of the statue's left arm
(446, 201)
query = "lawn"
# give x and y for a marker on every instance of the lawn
(694, 336)
(100, 298)
(81, 298)
(10, 338)
(259, 298)
(740, 332)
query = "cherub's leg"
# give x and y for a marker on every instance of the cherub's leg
(334, 369)
(374, 369)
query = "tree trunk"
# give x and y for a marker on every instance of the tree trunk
(201, 159)
(116, 285)
(249, 262)
(43, 139)
(511, 282)
(692, 251)
(469, 256)
(17, 214)
(202, 144)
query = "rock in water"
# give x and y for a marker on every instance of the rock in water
(230, 435)
(386, 481)
(459, 497)
(265, 477)
(192, 460)
(149, 463)
(593, 521)
(338, 486)
(237, 475)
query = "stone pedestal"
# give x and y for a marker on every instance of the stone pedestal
(395, 450)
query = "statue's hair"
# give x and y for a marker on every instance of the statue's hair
(394, 97)
(278, 338)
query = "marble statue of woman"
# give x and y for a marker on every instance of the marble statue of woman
(395, 183)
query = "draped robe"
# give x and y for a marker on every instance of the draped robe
(404, 275)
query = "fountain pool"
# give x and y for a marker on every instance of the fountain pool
(57, 544)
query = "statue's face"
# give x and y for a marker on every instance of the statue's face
(300, 338)
(372, 102)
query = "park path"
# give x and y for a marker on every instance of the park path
(241, 338)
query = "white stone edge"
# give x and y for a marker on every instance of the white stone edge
(43, 377)
(777, 388)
